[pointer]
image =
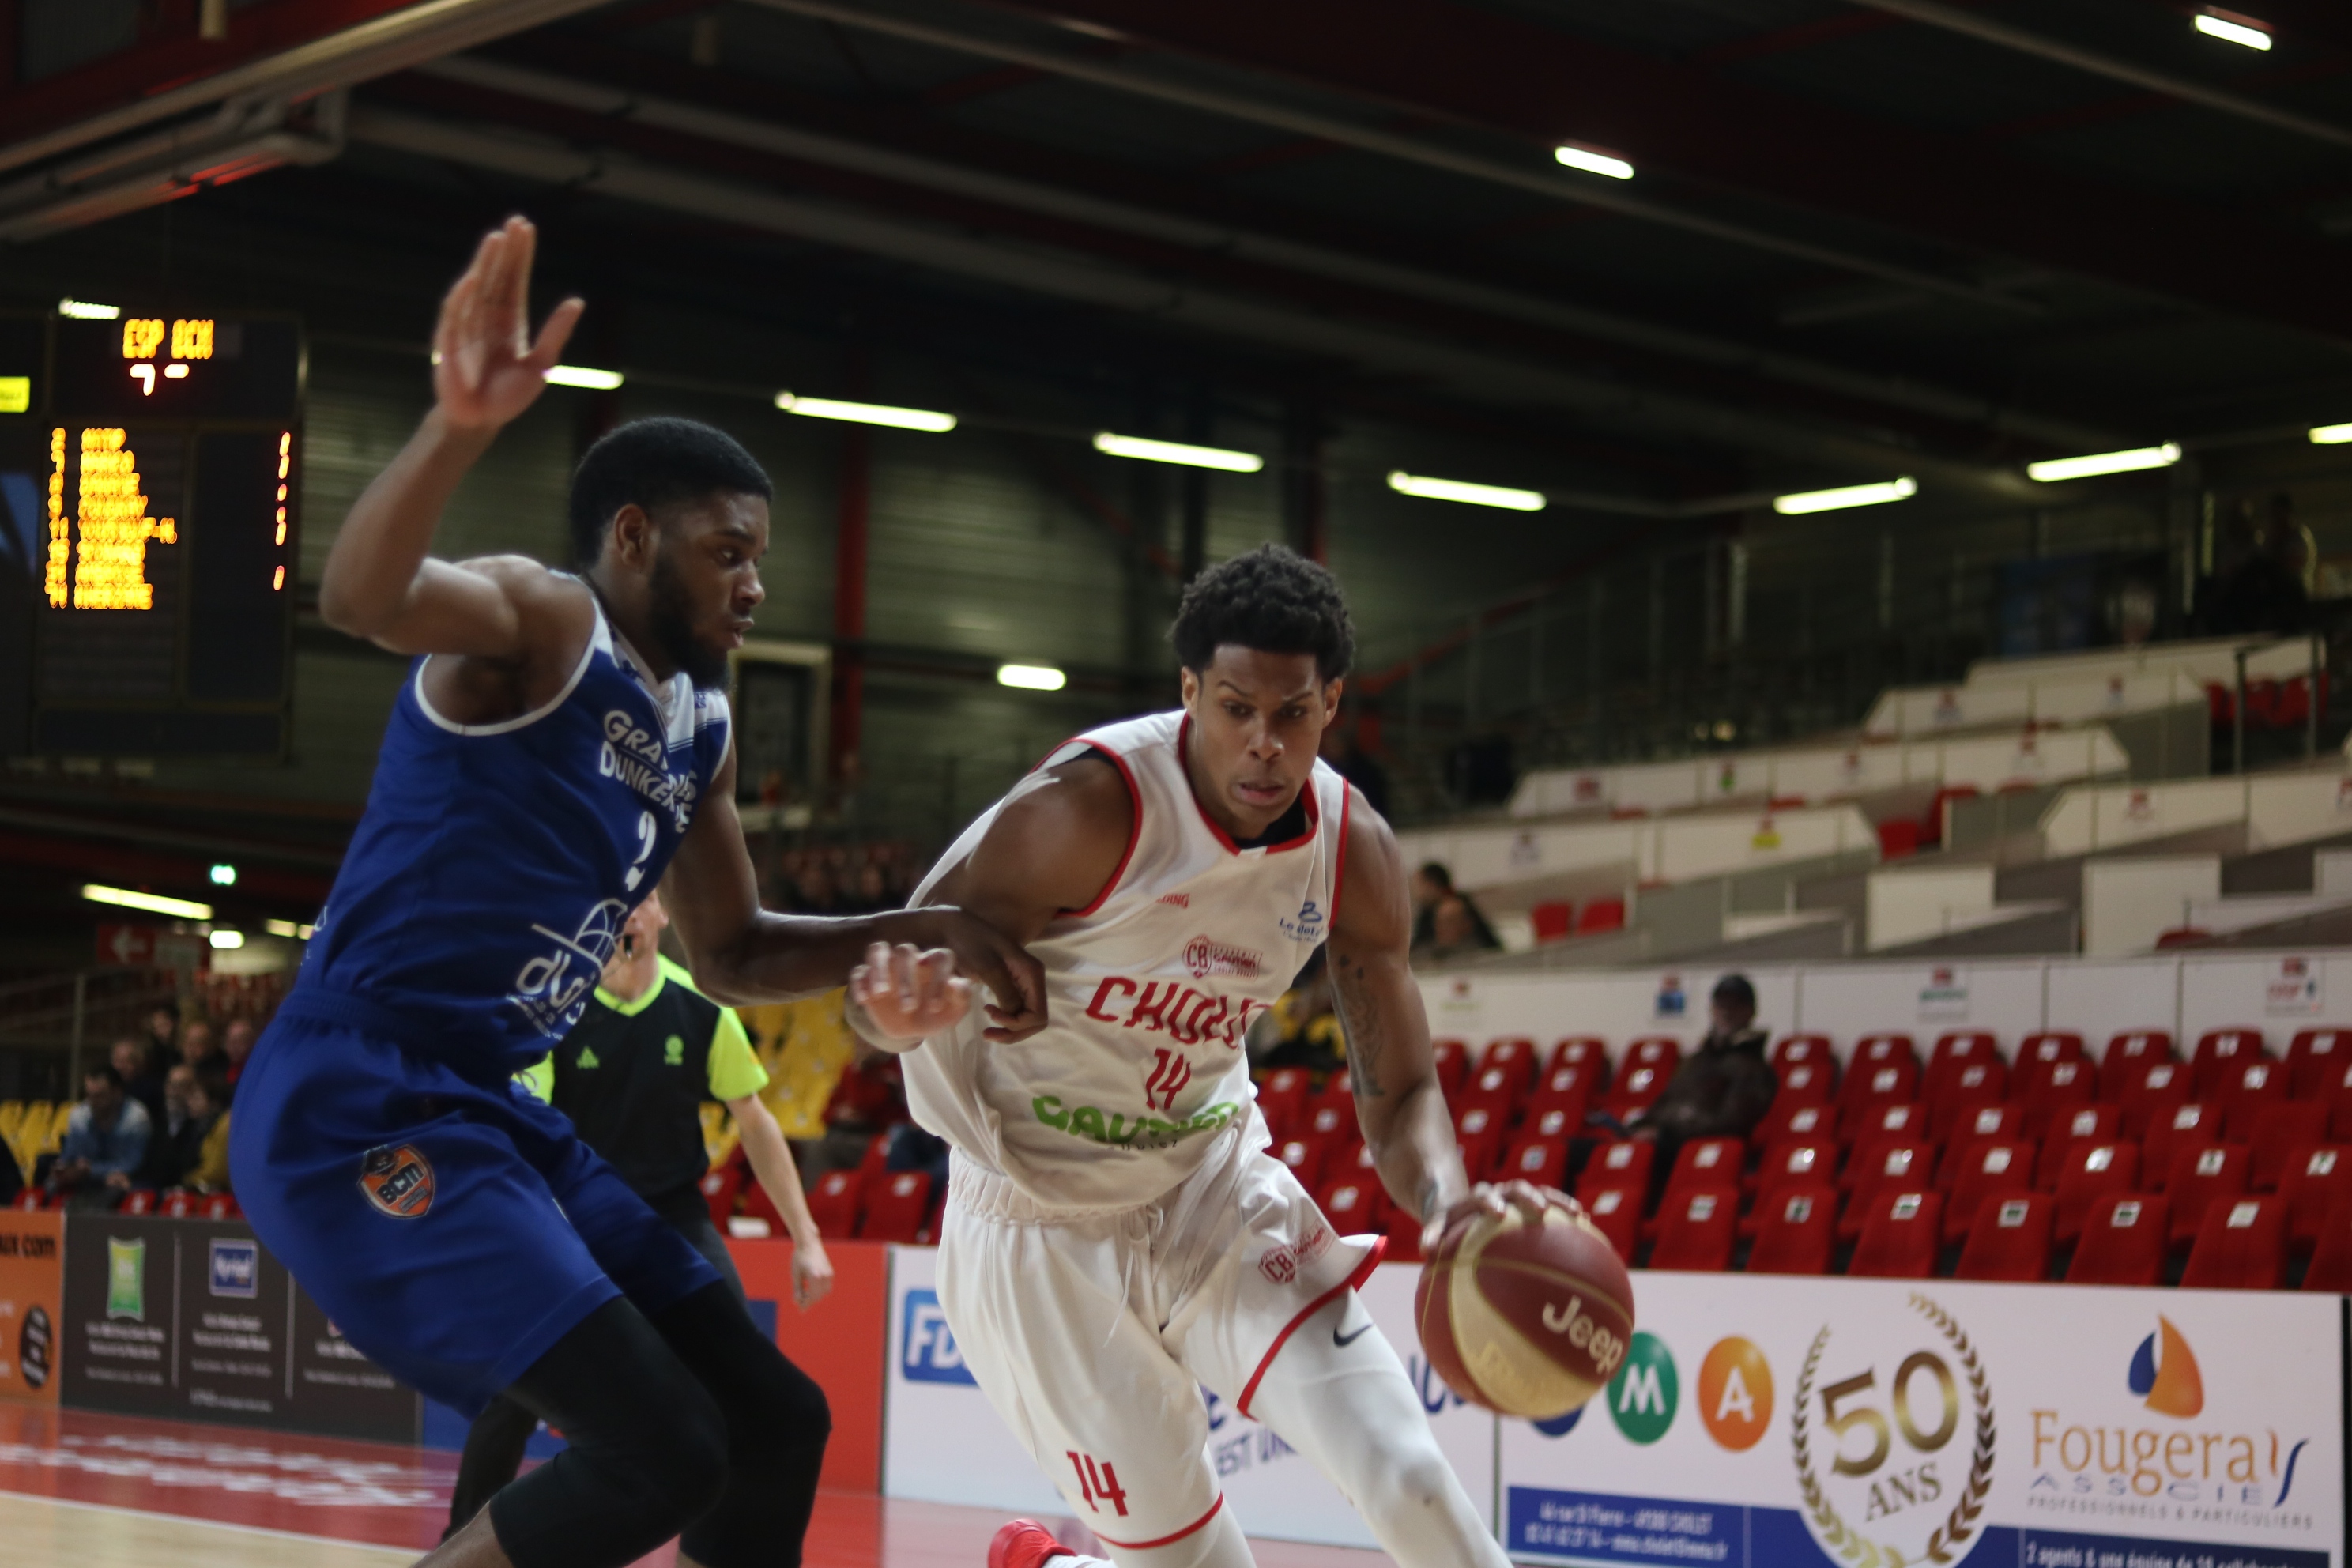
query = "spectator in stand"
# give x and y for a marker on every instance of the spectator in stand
(1723, 1089)
(1433, 895)
(1302, 1029)
(105, 1142)
(237, 1044)
(198, 1049)
(176, 1141)
(870, 1099)
(873, 891)
(208, 1105)
(163, 1035)
(140, 1075)
(2257, 588)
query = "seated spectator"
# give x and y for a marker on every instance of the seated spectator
(106, 1139)
(237, 1044)
(140, 1075)
(1723, 1089)
(164, 1034)
(208, 1103)
(178, 1139)
(1445, 921)
(197, 1046)
(1302, 1029)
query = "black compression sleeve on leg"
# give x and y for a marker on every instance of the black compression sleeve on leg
(494, 1449)
(647, 1450)
(777, 1422)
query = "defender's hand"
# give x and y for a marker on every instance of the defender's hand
(812, 1274)
(909, 995)
(1493, 1198)
(486, 368)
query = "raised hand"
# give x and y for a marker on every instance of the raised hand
(907, 994)
(486, 368)
(1492, 1198)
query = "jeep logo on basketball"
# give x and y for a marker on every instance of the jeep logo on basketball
(397, 1180)
(1607, 1348)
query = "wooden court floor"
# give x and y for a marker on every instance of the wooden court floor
(85, 1491)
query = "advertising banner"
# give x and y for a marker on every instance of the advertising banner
(1870, 1424)
(838, 1343)
(194, 1319)
(945, 1444)
(32, 1285)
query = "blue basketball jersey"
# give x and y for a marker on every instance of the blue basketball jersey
(485, 886)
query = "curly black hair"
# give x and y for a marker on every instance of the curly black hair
(1273, 600)
(653, 462)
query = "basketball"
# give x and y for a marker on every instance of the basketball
(1525, 1318)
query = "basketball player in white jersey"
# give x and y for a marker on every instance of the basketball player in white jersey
(1115, 1235)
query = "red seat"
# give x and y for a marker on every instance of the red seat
(1587, 1051)
(1794, 1050)
(1961, 1092)
(142, 1200)
(2089, 1173)
(1568, 1088)
(1516, 1059)
(1883, 1083)
(1931, 826)
(1492, 1089)
(1626, 1164)
(180, 1204)
(1877, 1050)
(2220, 1053)
(2331, 1261)
(221, 1206)
(2315, 1060)
(1993, 1168)
(2274, 1131)
(2123, 1242)
(1884, 1167)
(2129, 1056)
(1697, 1231)
(2315, 1175)
(1543, 1161)
(899, 1209)
(1796, 1231)
(2241, 1246)
(1559, 1123)
(2053, 1088)
(2051, 1046)
(1883, 1125)
(2149, 1100)
(1709, 1164)
(1305, 1156)
(833, 1202)
(1663, 1052)
(1282, 1098)
(719, 1186)
(31, 1198)
(1900, 1235)
(1959, 1047)
(1333, 1122)
(1805, 1083)
(2255, 1085)
(1599, 915)
(2202, 1174)
(1479, 1133)
(2010, 1241)
(2339, 1099)
(1985, 1121)
(1639, 1088)
(1617, 1212)
(1353, 1207)
(1404, 1237)
(2198, 1124)
(2084, 1124)
(1553, 919)
(1799, 1120)
(1452, 1058)
(1797, 1162)
(1898, 839)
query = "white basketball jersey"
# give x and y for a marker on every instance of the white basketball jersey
(1150, 991)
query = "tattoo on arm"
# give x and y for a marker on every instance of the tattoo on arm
(1361, 1022)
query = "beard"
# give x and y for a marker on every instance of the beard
(673, 629)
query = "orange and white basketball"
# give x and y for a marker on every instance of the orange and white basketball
(1525, 1318)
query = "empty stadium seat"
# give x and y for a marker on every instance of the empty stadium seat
(1403, 1232)
(1305, 1156)
(2089, 1173)
(2006, 1121)
(1599, 915)
(1799, 1121)
(1543, 1161)
(2049, 1089)
(1515, 1055)
(2189, 1123)
(1560, 1122)
(1796, 1231)
(1352, 1207)
(898, 1209)
(1696, 1232)
(1562, 1087)
(1975, 1084)
(2202, 1174)
(1709, 1164)
(2220, 1054)
(141, 1201)
(2315, 1060)
(2331, 1261)
(1334, 1122)
(1453, 1061)
(1626, 1164)
(1663, 1052)
(220, 1205)
(2149, 1097)
(720, 1185)
(2084, 1124)
(1901, 1232)
(1281, 1097)
(1898, 839)
(1871, 1085)
(1479, 1133)
(2244, 1091)
(2241, 1246)
(1616, 1211)
(2314, 1178)
(1492, 1089)
(30, 1199)
(833, 1202)
(1886, 1167)
(2123, 1241)
(1991, 1168)
(2010, 1240)
(1553, 919)
(1805, 1083)
(1586, 1051)
(2129, 1056)
(1794, 1164)
(1790, 1049)
(1634, 1093)
(2274, 1132)
(1959, 1047)
(1888, 1124)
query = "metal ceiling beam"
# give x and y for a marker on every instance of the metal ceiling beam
(1218, 240)
(1539, 177)
(1489, 376)
(1952, 19)
(1484, 67)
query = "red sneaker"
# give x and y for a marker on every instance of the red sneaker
(1024, 1544)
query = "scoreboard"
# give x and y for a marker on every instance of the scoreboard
(149, 465)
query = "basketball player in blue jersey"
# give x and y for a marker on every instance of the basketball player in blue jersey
(560, 745)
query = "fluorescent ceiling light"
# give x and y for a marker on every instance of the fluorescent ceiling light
(154, 903)
(224, 876)
(581, 375)
(2059, 468)
(2223, 25)
(867, 413)
(1177, 452)
(83, 310)
(225, 939)
(1031, 677)
(288, 928)
(1593, 162)
(2330, 435)
(1428, 489)
(1849, 495)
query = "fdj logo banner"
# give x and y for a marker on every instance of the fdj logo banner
(1892, 1433)
(926, 1346)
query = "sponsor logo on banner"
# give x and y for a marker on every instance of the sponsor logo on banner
(236, 1268)
(1766, 836)
(1525, 851)
(926, 1346)
(1881, 1478)
(2167, 1381)
(1735, 1393)
(1946, 995)
(2293, 988)
(36, 1347)
(126, 1278)
(1645, 1393)
(1673, 1000)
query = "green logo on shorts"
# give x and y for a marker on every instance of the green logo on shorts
(1643, 1395)
(126, 1278)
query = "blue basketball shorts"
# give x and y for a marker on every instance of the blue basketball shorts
(453, 1231)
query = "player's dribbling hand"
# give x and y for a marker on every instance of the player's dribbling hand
(1493, 1198)
(907, 994)
(486, 368)
(812, 1273)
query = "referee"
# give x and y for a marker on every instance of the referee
(633, 1076)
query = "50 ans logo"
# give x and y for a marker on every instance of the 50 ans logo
(1905, 1461)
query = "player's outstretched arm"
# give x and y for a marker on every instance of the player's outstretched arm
(742, 956)
(378, 581)
(1399, 1105)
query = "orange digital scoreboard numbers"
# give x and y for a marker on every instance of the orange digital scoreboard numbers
(149, 530)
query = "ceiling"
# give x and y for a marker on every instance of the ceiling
(1862, 239)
